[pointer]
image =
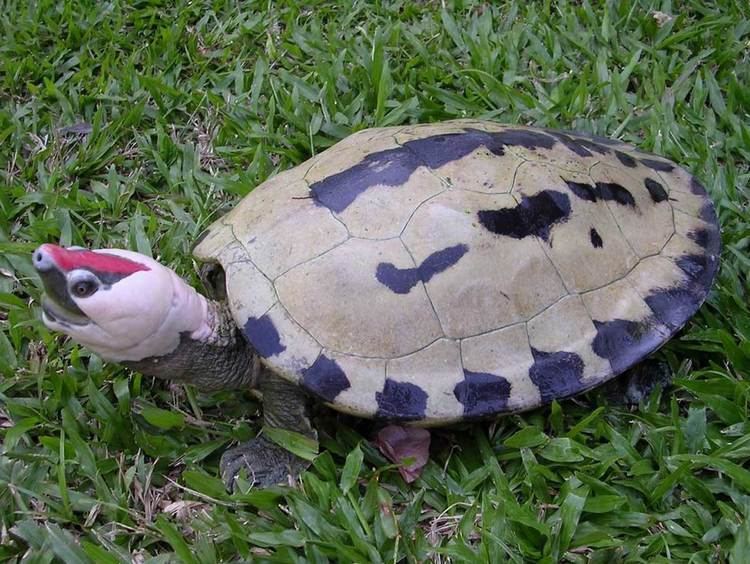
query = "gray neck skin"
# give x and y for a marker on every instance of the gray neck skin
(223, 361)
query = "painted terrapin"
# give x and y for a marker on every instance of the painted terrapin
(427, 273)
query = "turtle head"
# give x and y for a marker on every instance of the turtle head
(119, 304)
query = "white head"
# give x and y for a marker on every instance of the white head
(119, 304)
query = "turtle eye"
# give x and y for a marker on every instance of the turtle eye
(83, 287)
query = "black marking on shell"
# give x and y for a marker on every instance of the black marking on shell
(535, 215)
(593, 146)
(609, 191)
(626, 159)
(573, 145)
(525, 138)
(401, 400)
(674, 306)
(707, 238)
(578, 145)
(708, 214)
(596, 239)
(393, 167)
(402, 280)
(655, 190)
(624, 342)
(700, 237)
(660, 166)
(263, 336)
(325, 378)
(697, 188)
(700, 268)
(582, 190)
(437, 150)
(556, 374)
(590, 136)
(482, 393)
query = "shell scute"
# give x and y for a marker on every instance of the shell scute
(474, 295)
(339, 299)
(506, 354)
(587, 249)
(645, 221)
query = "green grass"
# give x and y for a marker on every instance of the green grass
(190, 107)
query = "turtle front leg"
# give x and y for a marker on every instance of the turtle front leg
(285, 406)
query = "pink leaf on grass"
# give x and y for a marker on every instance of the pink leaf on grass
(409, 447)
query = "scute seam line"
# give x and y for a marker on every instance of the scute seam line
(424, 287)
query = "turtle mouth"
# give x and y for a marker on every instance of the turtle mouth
(54, 313)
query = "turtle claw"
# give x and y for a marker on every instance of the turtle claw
(265, 463)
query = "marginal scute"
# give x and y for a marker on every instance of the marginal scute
(670, 289)
(362, 152)
(325, 378)
(482, 394)
(442, 362)
(263, 335)
(339, 300)
(617, 300)
(475, 295)
(657, 164)
(567, 151)
(214, 242)
(689, 226)
(625, 159)
(655, 273)
(366, 377)
(250, 293)
(626, 328)
(697, 243)
(505, 353)
(557, 374)
(367, 138)
(401, 401)
(567, 327)
(624, 341)
(687, 202)
(296, 350)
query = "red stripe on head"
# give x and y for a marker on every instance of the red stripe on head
(68, 259)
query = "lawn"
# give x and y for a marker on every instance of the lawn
(135, 124)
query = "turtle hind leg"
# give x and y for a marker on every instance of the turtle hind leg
(636, 385)
(285, 406)
(264, 462)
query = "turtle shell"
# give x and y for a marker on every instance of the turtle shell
(435, 273)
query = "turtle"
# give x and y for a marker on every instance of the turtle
(420, 275)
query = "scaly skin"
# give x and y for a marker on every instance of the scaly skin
(222, 361)
(266, 463)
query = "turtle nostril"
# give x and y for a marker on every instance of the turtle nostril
(41, 260)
